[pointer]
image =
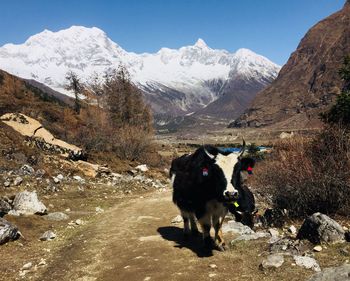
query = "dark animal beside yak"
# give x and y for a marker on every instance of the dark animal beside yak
(203, 188)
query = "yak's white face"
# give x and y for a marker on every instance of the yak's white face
(227, 163)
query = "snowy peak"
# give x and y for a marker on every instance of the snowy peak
(201, 44)
(187, 71)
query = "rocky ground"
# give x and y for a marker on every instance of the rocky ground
(125, 227)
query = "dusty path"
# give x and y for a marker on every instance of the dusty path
(135, 241)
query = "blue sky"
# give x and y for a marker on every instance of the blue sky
(272, 28)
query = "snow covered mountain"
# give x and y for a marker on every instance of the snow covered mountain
(175, 82)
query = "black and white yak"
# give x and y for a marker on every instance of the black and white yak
(205, 184)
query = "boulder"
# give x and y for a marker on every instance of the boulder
(272, 261)
(56, 216)
(321, 228)
(307, 262)
(236, 228)
(340, 273)
(48, 235)
(8, 232)
(27, 203)
(26, 170)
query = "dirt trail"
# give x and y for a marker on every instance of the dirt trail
(135, 241)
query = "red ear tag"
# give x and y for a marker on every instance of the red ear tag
(205, 172)
(250, 170)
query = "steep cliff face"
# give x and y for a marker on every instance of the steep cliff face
(309, 82)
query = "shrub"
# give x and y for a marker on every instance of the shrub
(131, 142)
(310, 175)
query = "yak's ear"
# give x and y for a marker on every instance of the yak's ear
(211, 156)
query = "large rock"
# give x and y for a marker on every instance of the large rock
(340, 273)
(27, 203)
(321, 228)
(56, 216)
(307, 262)
(26, 170)
(272, 261)
(8, 232)
(236, 228)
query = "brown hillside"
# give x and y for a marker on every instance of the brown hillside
(17, 95)
(309, 83)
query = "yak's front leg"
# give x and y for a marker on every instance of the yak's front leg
(194, 228)
(219, 239)
(186, 220)
(205, 223)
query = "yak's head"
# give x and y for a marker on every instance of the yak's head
(222, 166)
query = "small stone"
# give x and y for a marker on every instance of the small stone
(56, 180)
(60, 177)
(48, 235)
(292, 229)
(42, 262)
(142, 168)
(272, 261)
(67, 210)
(177, 219)
(211, 275)
(56, 216)
(99, 210)
(78, 222)
(213, 266)
(7, 184)
(17, 181)
(27, 266)
(147, 278)
(79, 179)
(317, 248)
(274, 232)
(26, 170)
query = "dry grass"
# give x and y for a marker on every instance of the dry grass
(306, 175)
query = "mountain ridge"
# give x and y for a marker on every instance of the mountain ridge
(309, 82)
(175, 81)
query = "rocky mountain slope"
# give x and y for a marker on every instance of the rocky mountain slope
(175, 82)
(309, 82)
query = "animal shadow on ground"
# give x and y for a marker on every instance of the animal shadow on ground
(194, 243)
